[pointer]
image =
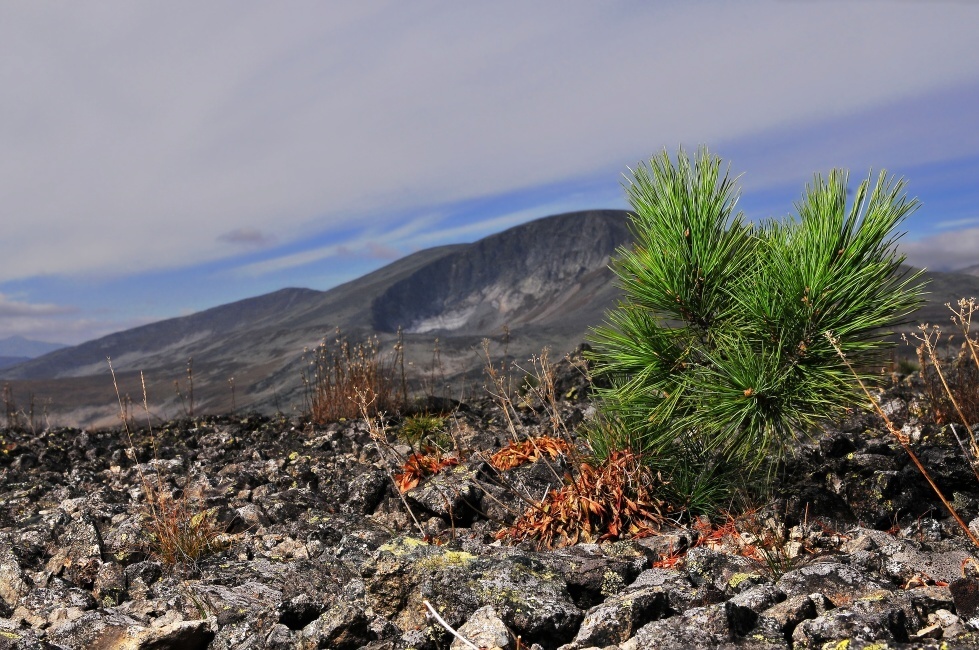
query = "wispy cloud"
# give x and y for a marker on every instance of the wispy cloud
(947, 251)
(291, 260)
(12, 309)
(247, 237)
(957, 223)
(67, 324)
(168, 138)
(40, 321)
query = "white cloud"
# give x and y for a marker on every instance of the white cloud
(13, 309)
(142, 136)
(957, 223)
(41, 321)
(290, 261)
(58, 323)
(947, 251)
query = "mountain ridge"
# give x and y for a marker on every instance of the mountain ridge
(544, 283)
(20, 346)
(258, 341)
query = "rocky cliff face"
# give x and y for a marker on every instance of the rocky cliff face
(546, 271)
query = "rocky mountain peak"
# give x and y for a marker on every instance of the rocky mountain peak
(529, 274)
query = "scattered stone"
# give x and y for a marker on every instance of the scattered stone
(485, 629)
(317, 549)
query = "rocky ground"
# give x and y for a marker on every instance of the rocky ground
(314, 547)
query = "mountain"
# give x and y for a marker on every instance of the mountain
(8, 362)
(969, 270)
(18, 346)
(546, 280)
(543, 283)
(549, 272)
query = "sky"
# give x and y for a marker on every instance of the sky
(160, 158)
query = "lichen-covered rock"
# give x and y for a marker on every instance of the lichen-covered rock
(721, 575)
(110, 584)
(320, 551)
(343, 627)
(594, 572)
(901, 560)
(110, 631)
(680, 591)
(13, 583)
(721, 625)
(54, 605)
(452, 495)
(366, 492)
(531, 598)
(618, 618)
(18, 637)
(840, 583)
(79, 552)
(880, 616)
(484, 629)
(788, 614)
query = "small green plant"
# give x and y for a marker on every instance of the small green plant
(907, 366)
(716, 356)
(424, 430)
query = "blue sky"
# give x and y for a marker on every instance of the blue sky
(160, 158)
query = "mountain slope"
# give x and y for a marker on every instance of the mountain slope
(540, 273)
(543, 283)
(9, 362)
(18, 346)
(561, 285)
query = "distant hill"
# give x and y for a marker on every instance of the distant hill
(8, 362)
(546, 282)
(18, 346)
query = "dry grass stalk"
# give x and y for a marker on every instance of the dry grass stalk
(180, 531)
(905, 443)
(959, 392)
(10, 408)
(188, 410)
(541, 382)
(963, 392)
(500, 389)
(375, 427)
(341, 372)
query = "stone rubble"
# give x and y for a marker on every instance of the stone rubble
(318, 551)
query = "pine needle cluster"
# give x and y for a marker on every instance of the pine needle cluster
(716, 355)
